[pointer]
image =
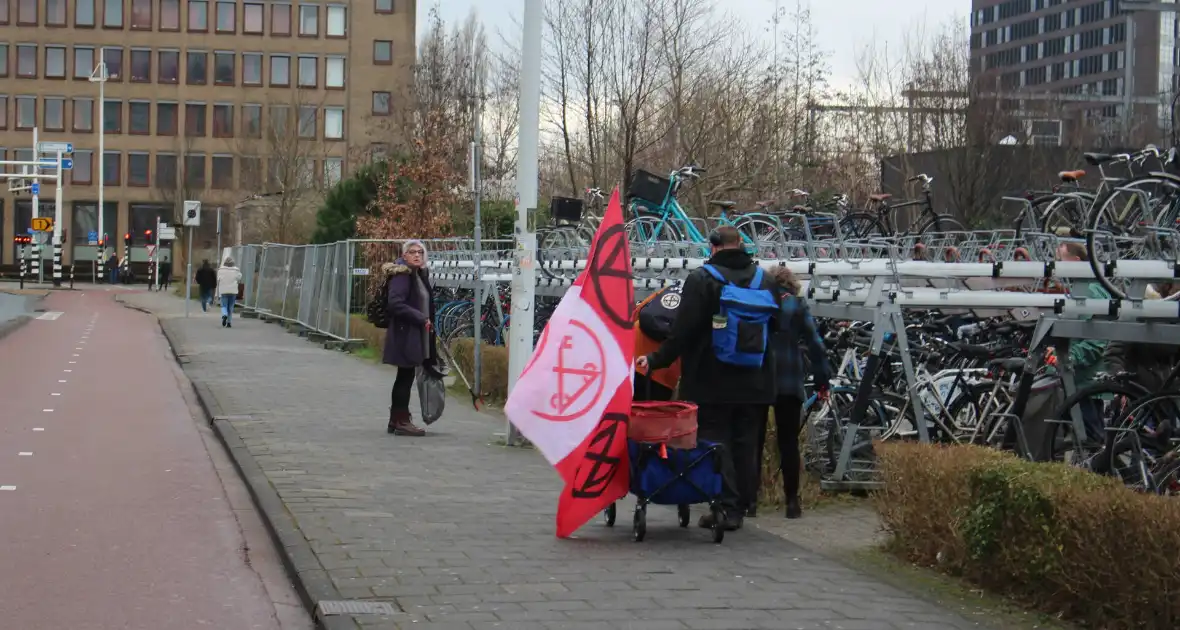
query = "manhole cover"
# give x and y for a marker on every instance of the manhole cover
(355, 607)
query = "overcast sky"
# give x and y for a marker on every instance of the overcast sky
(845, 27)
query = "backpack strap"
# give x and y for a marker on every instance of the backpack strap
(716, 274)
(756, 282)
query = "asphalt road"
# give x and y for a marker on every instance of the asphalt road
(12, 306)
(113, 511)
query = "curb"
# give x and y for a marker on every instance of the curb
(13, 325)
(303, 567)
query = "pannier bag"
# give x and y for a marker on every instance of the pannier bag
(432, 393)
(741, 330)
(672, 423)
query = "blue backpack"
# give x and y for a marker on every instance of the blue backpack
(741, 331)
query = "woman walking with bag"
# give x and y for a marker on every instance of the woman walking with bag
(409, 340)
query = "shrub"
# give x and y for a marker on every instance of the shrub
(374, 337)
(494, 367)
(1054, 537)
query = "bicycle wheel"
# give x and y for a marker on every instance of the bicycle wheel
(940, 223)
(861, 225)
(1107, 398)
(1122, 223)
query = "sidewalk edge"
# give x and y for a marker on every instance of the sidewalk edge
(303, 567)
(13, 325)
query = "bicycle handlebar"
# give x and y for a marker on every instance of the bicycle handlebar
(799, 193)
(691, 170)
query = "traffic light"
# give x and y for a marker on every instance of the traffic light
(127, 239)
(149, 237)
(23, 239)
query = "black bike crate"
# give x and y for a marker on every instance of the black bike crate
(565, 209)
(648, 187)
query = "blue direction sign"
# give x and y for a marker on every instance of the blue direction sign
(35, 188)
(66, 163)
(55, 147)
(92, 237)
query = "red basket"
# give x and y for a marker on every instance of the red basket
(673, 423)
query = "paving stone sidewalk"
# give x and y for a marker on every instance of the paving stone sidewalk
(457, 532)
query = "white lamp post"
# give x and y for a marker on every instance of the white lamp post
(100, 76)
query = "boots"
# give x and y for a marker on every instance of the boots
(794, 509)
(402, 423)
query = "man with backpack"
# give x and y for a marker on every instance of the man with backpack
(721, 333)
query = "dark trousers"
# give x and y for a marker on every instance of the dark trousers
(647, 389)
(787, 410)
(402, 384)
(735, 427)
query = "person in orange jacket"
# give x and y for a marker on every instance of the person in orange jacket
(653, 319)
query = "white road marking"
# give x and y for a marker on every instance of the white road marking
(61, 380)
(55, 394)
(47, 410)
(73, 362)
(7, 487)
(25, 454)
(77, 349)
(77, 355)
(50, 315)
(38, 429)
(67, 371)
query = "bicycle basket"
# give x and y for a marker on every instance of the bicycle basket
(565, 209)
(648, 187)
(673, 423)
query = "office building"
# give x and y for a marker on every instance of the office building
(211, 100)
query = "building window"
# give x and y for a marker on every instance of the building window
(86, 219)
(112, 162)
(250, 173)
(3, 59)
(3, 115)
(280, 20)
(223, 68)
(198, 16)
(383, 6)
(55, 62)
(112, 14)
(196, 68)
(138, 169)
(253, 16)
(333, 168)
(112, 116)
(381, 102)
(26, 61)
(55, 12)
(166, 115)
(140, 114)
(308, 70)
(252, 121)
(84, 13)
(334, 73)
(309, 20)
(337, 20)
(382, 52)
(26, 112)
(333, 123)
(26, 13)
(83, 62)
(82, 173)
(169, 66)
(194, 120)
(55, 113)
(169, 15)
(223, 172)
(280, 70)
(194, 171)
(141, 65)
(223, 121)
(280, 121)
(227, 17)
(113, 58)
(307, 120)
(84, 115)
(165, 171)
(251, 68)
(141, 15)
(4, 12)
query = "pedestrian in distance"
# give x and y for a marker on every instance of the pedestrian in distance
(206, 279)
(228, 278)
(165, 273)
(796, 331)
(410, 341)
(727, 311)
(113, 269)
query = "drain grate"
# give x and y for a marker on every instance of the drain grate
(355, 607)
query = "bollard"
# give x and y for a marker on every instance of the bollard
(71, 274)
(21, 269)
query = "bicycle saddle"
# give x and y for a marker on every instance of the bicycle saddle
(724, 205)
(1094, 159)
(972, 350)
(880, 196)
(1011, 365)
(1071, 176)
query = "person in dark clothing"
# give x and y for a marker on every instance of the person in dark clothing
(730, 399)
(796, 329)
(206, 279)
(165, 273)
(113, 269)
(410, 340)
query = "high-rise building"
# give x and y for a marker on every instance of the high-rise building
(1073, 53)
(211, 100)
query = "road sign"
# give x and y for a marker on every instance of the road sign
(54, 147)
(167, 234)
(151, 250)
(35, 188)
(192, 213)
(66, 163)
(92, 238)
(42, 224)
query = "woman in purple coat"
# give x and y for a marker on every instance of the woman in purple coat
(410, 339)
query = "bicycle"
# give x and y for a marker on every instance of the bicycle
(880, 223)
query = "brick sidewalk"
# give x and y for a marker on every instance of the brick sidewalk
(457, 532)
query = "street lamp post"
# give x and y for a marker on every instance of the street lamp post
(100, 76)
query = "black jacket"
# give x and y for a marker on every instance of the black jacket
(206, 278)
(703, 379)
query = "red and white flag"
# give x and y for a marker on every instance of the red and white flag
(573, 399)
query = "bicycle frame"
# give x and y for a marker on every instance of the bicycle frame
(671, 210)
